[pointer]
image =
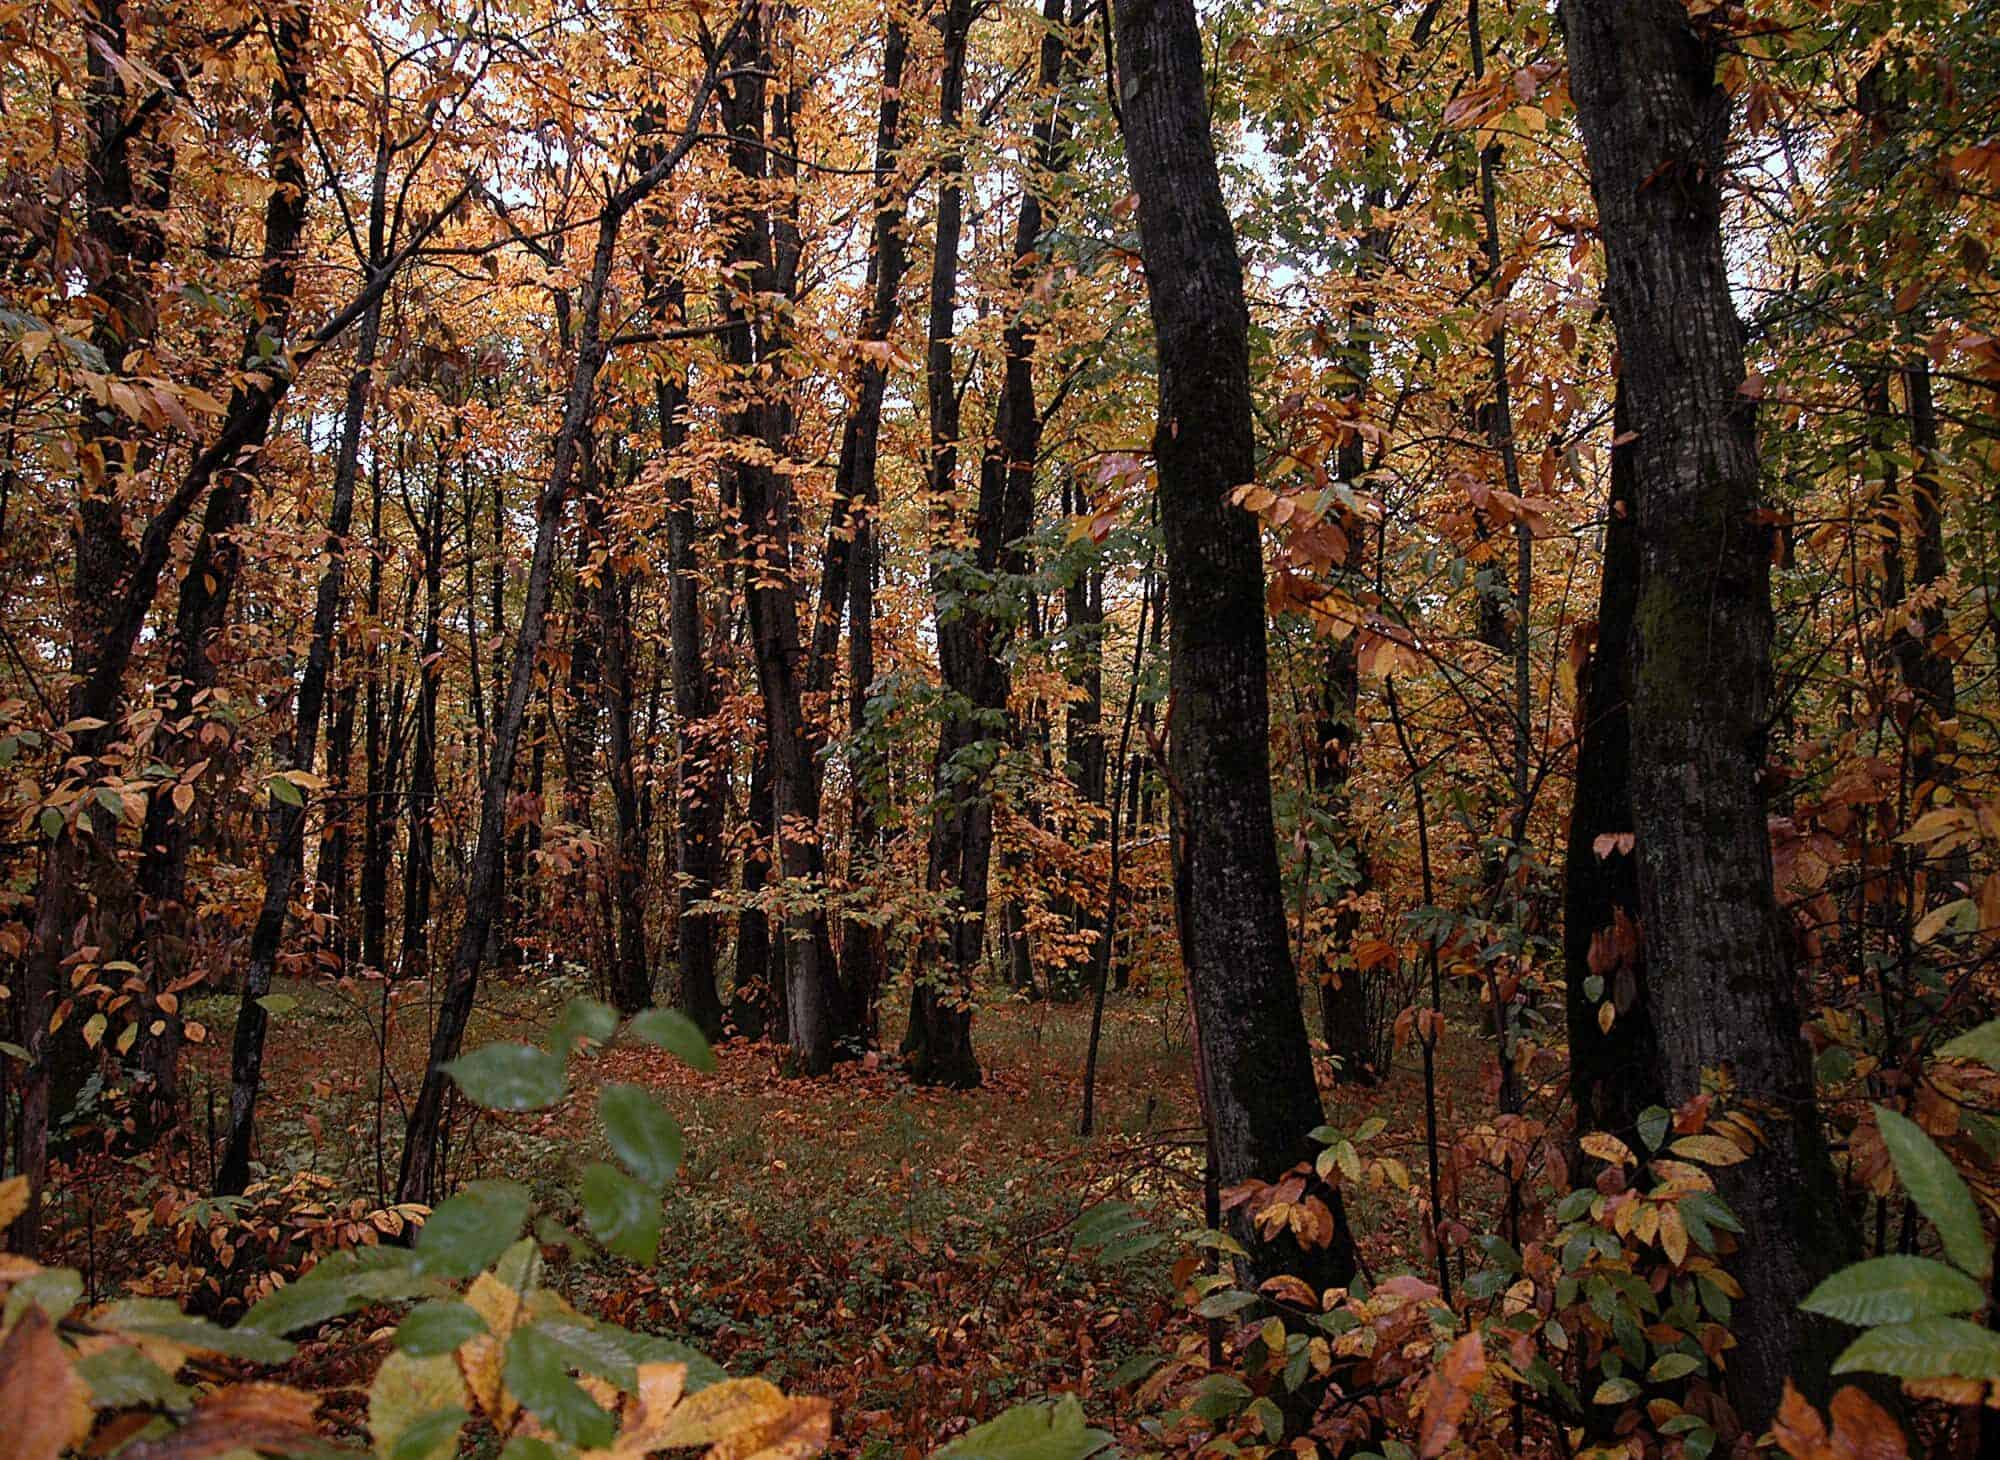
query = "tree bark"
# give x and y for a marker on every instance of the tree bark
(1255, 1066)
(1720, 985)
(938, 1043)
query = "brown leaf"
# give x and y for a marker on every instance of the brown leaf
(1448, 1393)
(40, 1394)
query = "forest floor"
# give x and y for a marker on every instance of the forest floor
(908, 1253)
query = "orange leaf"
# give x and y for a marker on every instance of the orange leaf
(1448, 1393)
(40, 1393)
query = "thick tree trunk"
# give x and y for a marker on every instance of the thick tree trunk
(1613, 1074)
(1720, 985)
(1255, 1065)
(764, 247)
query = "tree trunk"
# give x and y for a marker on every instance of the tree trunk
(762, 247)
(1721, 988)
(1612, 1073)
(701, 765)
(1255, 1066)
(939, 1040)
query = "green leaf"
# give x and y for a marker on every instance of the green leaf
(645, 1137)
(341, 1281)
(1038, 1431)
(120, 1377)
(55, 1290)
(592, 1351)
(163, 1319)
(1930, 1348)
(509, 1077)
(624, 1215)
(1672, 1366)
(1221, 1305)
(674, 1032)
(434, 1434)
(1136, 1368)
(470, 1231)
(403, 1404)
(1654, 1122)
(51, 822)
(283, 790)
(1615, 1391)
(1219, 1396)
(536, 1374)
(430, 1329)
(1938, 1190)
(276, 1004)
(1894, 1290)
(583, 1019)
(1981, 1044)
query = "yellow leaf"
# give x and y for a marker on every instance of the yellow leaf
(800, 1430)
(1673, 1234)
(1606, 1147)
(721, 1411)
(1606, 1014)
(481, 1357)
(1711, 1150)
(405, 1390)
(13, 1200)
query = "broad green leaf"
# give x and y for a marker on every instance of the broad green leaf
(120, 1377)
(646, 1138)
(1039, 1431)
(590, 1351)
(430, 1329)
(283, 790)
(164, 1320)
(1930, 1348)
(1654, 1122)
(468, 1233)
(1894, 1290)
(1938, 1190)
(509, 1077)
(536, 1374)
(341, 1282)
(434, 1434)
(1221, 1305)
(583, 1019)
(55, 1290)
(526, 1447)
(276, 1004)
(1615, 1391)
(624, 1215)
(1672, 1366)
(1981, 1044)
(1219, 1396)
(405, 1401)
(674, 1032)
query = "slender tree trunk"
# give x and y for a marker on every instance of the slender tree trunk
(1719, 979)
(701, 764)
(631, 979)
(420, 832)
(1255, 1065)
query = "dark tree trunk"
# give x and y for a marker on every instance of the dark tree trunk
(380, 742)
(1720, 984)
(631, 980)
(764, 246)
(1612, 1073)
(939, 1040)
(1255, 1065)
(420, 831)
(756, 1000)
(701, 763)
(847, 576)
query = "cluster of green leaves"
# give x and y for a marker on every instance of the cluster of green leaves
(1910, 1307)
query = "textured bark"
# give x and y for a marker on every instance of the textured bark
(1720, 985)
(1255, 1066)
(764, 251)
(938, 1043)
(1613, 1074)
